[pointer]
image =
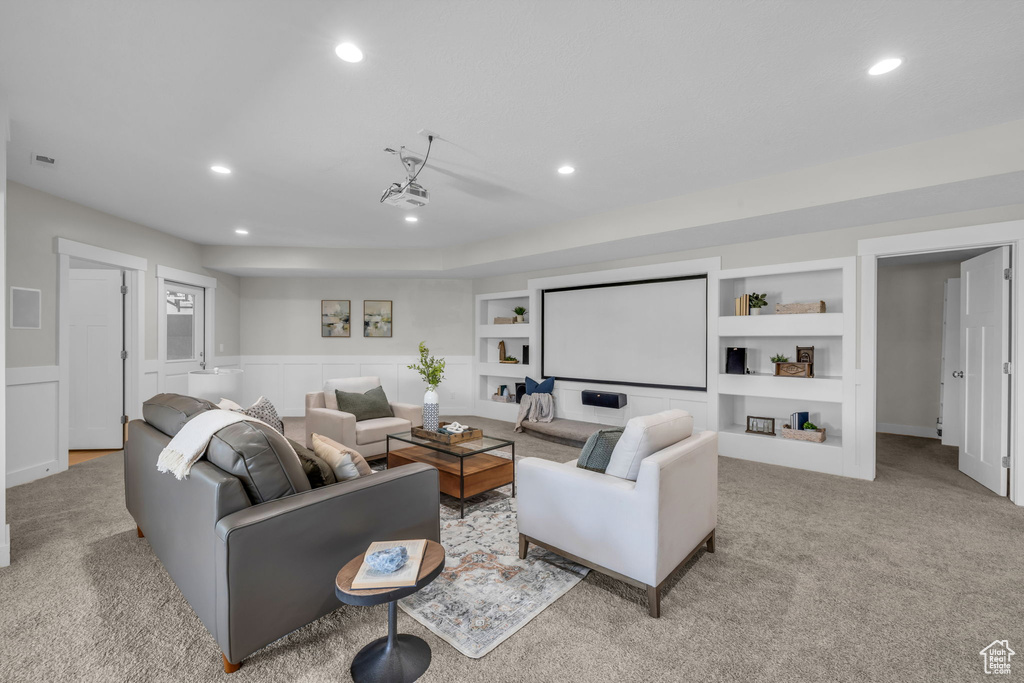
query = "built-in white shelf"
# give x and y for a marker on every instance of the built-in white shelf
(772, 325)
(827, 457)
(515, 331)
(518, 370)
(805, 388)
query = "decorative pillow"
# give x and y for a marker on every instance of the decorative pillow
(535, 387)
(228, 404)
(357, 458)
(340, 460)
(644, 436)
(317, 470)
(266, 464)
(264, 411)
(597, 451)
(368, 406)
(170, 412)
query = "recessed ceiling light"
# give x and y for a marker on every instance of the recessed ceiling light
(347, 52)
(241, 231)
(223, 170)
(411, 219)
(566, 170)
(885, 66)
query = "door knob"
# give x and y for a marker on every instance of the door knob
(958, 374)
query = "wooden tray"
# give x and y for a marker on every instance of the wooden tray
(815, 435)
(794, 369)
(448, 439)
(813, 307)
(510, 362)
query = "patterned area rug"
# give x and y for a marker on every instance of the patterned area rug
(486, 593)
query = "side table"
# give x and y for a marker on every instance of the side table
(396, 658)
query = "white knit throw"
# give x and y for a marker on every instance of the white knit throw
(190, 443)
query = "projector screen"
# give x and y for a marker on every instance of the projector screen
(647, 333)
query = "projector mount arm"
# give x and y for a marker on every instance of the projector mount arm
(410, 163)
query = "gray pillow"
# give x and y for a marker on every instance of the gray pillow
(170, 412)
(597, 451)
(368, 406)
(265, 463)
(265, 411)
(317, 470)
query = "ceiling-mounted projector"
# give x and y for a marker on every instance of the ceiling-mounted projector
(409, 194)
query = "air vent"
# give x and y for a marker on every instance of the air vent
(43, 160)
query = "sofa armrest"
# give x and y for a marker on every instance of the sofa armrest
(277, 561)
(315, 400)
(595, 516)
(408, 411)
(334, 424)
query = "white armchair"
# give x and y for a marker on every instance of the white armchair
(366, 436)
(638, 531)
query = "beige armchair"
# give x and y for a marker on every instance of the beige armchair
(367, 436)
(651, 511)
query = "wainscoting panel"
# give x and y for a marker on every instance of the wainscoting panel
(32, 429)
(286, 380)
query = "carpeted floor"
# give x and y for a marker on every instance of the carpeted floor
(816, 578)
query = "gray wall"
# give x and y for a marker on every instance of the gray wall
(281, 316)
(35, 219)
(910, 303)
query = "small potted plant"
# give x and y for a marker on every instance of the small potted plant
(779, 358)
(510, 359)
(757, 302)
(520, 312)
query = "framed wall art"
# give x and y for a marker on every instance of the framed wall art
(335, 318)
(377, 318)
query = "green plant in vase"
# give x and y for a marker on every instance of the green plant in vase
(757, 302)
(779, 358)
(431, 369)
(520, 312)
(511, 359)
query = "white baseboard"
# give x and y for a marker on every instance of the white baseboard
(33, 472)
(5, 547)
(907, 430)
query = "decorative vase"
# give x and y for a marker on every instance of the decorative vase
(431, 410)
(755, 311)
(519, 318)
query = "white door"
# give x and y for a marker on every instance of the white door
(185, 331)
(984, 348)
(96, 373)
(952, 386)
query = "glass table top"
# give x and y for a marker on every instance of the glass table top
(462, 449)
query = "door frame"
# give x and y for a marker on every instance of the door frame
(209, 285)
(134, 268)
(1008, 233)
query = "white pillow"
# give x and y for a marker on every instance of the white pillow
(228, 404)
(644, 436)
(340, 461)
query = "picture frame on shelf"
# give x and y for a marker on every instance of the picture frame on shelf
(761, 425)
(805, 354)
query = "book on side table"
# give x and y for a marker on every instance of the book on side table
(368, 578)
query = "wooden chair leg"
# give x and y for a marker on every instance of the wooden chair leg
(654, 601)
(139, 531)
(230, 668)
(711, 542)
(524, 545)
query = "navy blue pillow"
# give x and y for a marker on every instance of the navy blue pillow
(535, 387)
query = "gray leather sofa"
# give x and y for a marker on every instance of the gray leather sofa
(256, 572)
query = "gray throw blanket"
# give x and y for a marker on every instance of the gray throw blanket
(535, 408)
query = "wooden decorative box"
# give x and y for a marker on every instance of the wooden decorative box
(448, 439)
(498, 398)
(813, 307)
(504, 321)
(794, 369)
(815, 435)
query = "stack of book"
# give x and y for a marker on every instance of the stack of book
(368, 578)
(743, 305)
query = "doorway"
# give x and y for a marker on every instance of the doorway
(943, 333)
(185, 330)
(97, 358)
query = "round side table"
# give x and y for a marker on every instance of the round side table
(396, 658)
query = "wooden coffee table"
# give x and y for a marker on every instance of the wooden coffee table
(396, 658)
(465, 469)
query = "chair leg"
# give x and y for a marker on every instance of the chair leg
(230, 668)
(654, 601)
(524, 545)
(139, 531)
(711, 542)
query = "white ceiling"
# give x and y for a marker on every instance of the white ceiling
(648, 100)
